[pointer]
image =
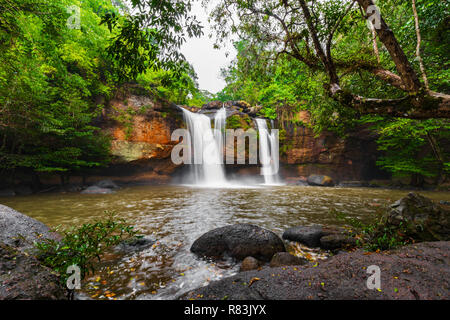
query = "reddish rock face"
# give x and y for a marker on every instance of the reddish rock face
(141, 128)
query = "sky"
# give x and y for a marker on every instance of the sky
(206, 60)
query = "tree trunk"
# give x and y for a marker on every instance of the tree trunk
(402, 64)
(419, 40)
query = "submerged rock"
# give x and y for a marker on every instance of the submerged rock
(419, 218)
(308, 235)
(134, 244)
(249, 263)
(20, 231)
(107, 184)
(280, 259)
(238, 241)
(319, 180)
(96, 190)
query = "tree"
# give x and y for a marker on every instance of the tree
(150, 37)
(307, 31)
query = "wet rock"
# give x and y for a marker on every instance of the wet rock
(418, 217)
(281, 259)
(7, 193)
(20, 231)
(337, 241)
(249, 263)
(238, 241)
(107, 184)
(308, 235)
(22, 277)
(96, 190)
(135, 244)
(344, 277)
(444, 202)
(320, 180)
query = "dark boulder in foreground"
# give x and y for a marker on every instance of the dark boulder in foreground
(22, 277)
(21, 274)
(20, 231)
(419, 218)
(418, 271)
(238, 241)
(308, 235)
(319, 180)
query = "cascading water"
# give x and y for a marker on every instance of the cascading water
(219, 127)
(268, 153)
(206, 148)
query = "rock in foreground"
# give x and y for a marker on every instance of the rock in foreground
(20, 231)
(238, 241)
(419, 218)
(22, 277)
(419, 271)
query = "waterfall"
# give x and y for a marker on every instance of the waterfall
(268, 153)
(219, 131)
(206, 148)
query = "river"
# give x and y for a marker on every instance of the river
(177, 215)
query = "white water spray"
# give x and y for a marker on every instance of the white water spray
(207, 148)
(268, 153)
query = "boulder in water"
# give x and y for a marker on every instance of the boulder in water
(238, 241)
(319, 180)
(107, 184)
(96, 190)
(308, 235)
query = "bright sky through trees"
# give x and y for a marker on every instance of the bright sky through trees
(206, 60)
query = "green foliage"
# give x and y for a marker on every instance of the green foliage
(149, 36)
(50, 77)
(375, 235)
(413, 147)
(268, 73)
(83, 246)
(54, 79)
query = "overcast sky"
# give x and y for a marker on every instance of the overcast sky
(206, 60)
